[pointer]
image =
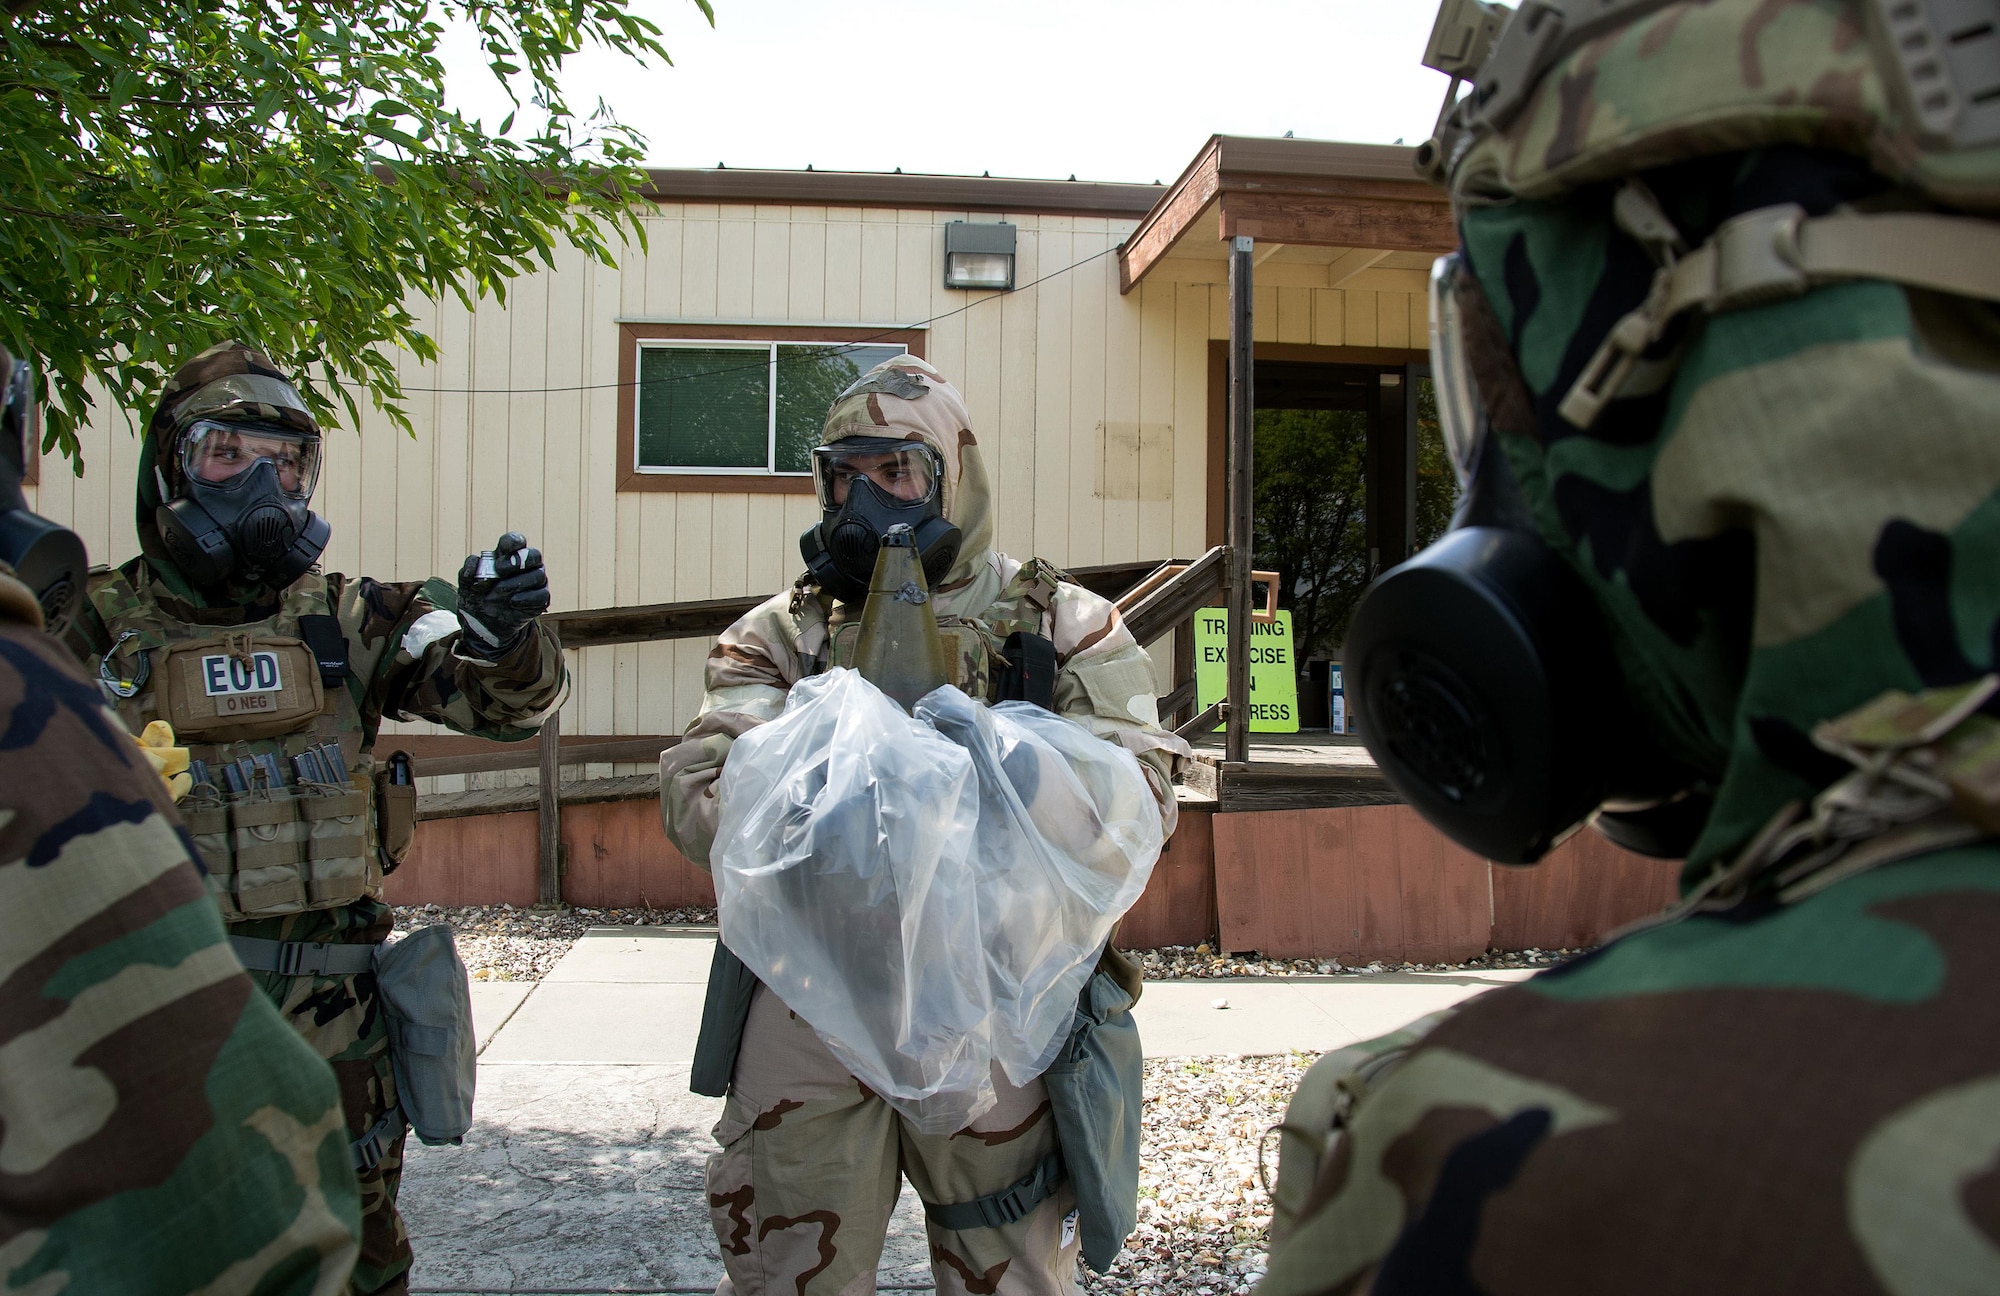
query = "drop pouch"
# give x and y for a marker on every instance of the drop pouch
(427, 999)
(1094, 1095)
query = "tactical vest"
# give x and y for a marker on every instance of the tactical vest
(286, 818)
(972, 656)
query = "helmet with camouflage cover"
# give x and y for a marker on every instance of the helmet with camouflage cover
(1717, 361)
(1574, 92)
(231, 530)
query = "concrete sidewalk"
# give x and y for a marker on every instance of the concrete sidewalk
(584, 1171)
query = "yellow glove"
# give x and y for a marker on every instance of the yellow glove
(169, 762)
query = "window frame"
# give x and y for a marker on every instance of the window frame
(632, 335)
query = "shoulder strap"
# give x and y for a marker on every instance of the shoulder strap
(1778, 252)
(1035, 584)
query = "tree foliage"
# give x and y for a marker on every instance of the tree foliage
(1312, 511)
(1311, 502)
(1437, 485)
(286, 172)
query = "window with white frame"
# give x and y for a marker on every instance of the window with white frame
(741, 407)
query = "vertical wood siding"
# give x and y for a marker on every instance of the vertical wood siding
(1091, 408)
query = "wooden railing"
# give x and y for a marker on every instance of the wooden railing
(1167, 600)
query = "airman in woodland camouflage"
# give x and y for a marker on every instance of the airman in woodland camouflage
(164, 1130)
(803, 1185)
(278, 677)
(1724, 308)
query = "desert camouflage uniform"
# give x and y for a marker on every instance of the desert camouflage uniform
(1792, 508)
(163, 1130)
(403, 663)
(803, 1186)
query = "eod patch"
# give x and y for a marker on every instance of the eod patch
(246, 683)
(236, 686)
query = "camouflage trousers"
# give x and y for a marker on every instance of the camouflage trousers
(803, 1186)
(342, 1019)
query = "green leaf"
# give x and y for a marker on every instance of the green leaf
(286, 172)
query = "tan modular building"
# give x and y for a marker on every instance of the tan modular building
(644, 424)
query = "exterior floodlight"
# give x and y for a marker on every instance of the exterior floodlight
(978, 256)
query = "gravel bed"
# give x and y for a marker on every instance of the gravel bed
(1204, 1217)
(502, 943)
(1201, 962)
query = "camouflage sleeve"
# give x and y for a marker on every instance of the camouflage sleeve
(1308, 1140)
(750, 670)
(1105, 682)
(406, 659)
(164, 1129)
(87, 637)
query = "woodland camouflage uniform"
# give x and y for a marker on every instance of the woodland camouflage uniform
(802, 1188)
(1790, 518)
(163, 1130)
(404, 664)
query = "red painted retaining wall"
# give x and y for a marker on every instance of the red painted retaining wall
(1377, 882)
(1360, 883)
(1353, 883)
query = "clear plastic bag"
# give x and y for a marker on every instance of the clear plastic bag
(928, 892)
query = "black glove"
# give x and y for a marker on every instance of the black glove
(497, 607)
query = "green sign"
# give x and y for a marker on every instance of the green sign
(1274, 681)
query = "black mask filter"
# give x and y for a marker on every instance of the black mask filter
(1491, 699)
(48, 559)
(840, 549)
(247, 527)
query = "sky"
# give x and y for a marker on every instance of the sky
(1098, 89)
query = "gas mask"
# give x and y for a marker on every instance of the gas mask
(241, 510)
(47, 558)
(1490, 692)
(867, 485)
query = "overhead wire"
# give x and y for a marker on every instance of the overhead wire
(762, 366)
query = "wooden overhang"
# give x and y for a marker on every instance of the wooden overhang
(1359, 205)
(901, 190)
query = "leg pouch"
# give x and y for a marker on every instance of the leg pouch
(269, 840)
(337, 828)
(428, 1000)
(1094, 1095)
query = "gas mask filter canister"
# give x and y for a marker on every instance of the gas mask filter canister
(47, 558)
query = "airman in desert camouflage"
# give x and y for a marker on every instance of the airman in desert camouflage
(1723, 316)
(807, 1174)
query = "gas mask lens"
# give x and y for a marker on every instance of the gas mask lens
(217, 454)
(1457, 394)
(905, 471)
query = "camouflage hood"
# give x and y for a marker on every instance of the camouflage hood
(229, 381)
(1790, 507)
(905, 397)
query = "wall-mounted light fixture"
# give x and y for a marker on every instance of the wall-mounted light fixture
(978, 256)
